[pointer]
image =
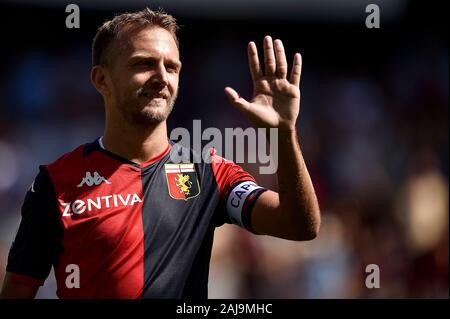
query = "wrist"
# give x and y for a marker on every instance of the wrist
(287, 131)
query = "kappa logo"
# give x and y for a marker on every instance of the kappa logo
(182, 181)
(90, 180)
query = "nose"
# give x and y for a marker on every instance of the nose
(159, 78)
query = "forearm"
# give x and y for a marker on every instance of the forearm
(298, 201)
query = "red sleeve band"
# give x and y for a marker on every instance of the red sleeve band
(25, 280)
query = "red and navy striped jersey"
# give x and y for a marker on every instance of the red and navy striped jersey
(133, 231)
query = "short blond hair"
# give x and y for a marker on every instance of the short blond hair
(111, 29)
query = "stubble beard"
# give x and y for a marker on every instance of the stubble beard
(149, 114)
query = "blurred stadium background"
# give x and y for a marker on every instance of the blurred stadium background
(373, 127)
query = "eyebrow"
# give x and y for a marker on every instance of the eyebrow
(140, 57)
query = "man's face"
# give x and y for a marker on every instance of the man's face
(144, 69)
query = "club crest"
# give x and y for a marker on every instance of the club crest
(182, 181)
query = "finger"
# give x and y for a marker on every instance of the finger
(296, 70)
(281, 59)
(253, 61)
(240, 103)
(269, 57)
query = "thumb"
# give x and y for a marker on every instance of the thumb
(240, 103)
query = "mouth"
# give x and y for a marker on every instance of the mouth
(154, 96)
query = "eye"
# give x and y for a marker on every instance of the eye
(144, 63)
(172, 68)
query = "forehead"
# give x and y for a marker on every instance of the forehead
(153, 41)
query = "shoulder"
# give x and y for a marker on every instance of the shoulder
(68, 158)
(69, 163)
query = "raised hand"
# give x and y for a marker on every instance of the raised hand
(276, 99)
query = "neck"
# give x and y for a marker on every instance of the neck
(135, 143)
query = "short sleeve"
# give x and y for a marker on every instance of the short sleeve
(38, 242)
(238, 192)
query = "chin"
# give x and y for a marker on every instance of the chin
(154, 117)
(151, 116)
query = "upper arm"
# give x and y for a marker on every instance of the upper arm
(38, 242)
(256, 208)
(12, 289)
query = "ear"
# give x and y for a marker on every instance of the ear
(99, 78)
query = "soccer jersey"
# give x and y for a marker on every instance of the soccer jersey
(127, 230)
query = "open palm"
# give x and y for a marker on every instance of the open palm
(276, 99)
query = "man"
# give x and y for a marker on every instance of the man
(117, 218)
